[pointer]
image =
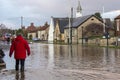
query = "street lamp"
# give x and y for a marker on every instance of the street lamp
(82, 34)
(107, 36)
(106, 31)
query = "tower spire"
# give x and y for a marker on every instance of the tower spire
(79, 10)
(21, 21)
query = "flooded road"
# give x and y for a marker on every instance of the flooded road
(65, 62)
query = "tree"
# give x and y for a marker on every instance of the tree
(19, 31)
(23, 32)
(98, 15)
(93, 29)
(30, 37)
(4, 29)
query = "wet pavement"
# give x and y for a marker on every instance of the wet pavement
(65, 62)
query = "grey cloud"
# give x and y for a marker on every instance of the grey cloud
(44, 9)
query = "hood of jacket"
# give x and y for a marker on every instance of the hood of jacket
(19, 38)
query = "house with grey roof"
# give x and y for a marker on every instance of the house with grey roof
(53, 34)
(83, 28)
(60, 24)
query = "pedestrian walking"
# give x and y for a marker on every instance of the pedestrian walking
(8, 40)
(21, 49)
(1, 55)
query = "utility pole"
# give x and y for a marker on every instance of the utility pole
(105, 29)
(71, 21)
(21, 21)
(69, 30)
(103, 21)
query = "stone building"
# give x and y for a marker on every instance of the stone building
(84, 27)
(57, 24)
(60, 24)
(31, 31)
(117, 25)
(81, 27)
(43, 32)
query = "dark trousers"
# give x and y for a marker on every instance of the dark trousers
(22, 63)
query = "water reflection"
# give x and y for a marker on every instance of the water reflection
(52, 56)
(109, 59)
(79, 57)
(70, 51)
(85, 57)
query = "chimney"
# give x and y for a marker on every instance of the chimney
(32, 24)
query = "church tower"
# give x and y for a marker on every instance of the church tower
(79, 10)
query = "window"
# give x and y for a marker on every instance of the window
(67, 32)
(73, 32)
(92, 19)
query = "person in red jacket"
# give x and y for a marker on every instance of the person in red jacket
(21, 49)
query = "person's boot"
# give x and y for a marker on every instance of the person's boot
(22, 75)
(17, 75)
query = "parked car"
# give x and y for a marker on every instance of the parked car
(36, 39)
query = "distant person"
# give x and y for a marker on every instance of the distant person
(1, 55)
(8, 40)
(12, 39)
(21, 49)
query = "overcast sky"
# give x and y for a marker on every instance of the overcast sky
(40, 11)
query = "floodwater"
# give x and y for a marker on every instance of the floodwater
(66, 62)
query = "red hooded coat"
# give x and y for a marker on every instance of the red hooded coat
(19, 47)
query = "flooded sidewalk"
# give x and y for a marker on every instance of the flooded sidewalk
(43, 74)
(64, 62)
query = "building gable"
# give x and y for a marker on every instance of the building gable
(118, 17)
(61, 22)
(31, 28)
(81, 20)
